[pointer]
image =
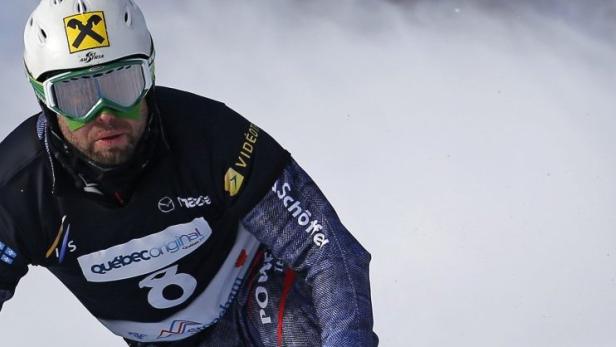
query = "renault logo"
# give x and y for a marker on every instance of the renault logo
(233, 182)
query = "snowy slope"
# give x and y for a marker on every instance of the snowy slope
(469, 147)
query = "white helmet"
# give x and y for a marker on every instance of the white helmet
(73, 34)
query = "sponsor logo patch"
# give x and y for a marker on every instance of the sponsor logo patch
(140, 256)
(179, 327)
(235, 175)
(192, 202)
(302, 216)
(67, 245)
(86, 31)
(90, 56)
(233, 182)
(261, 294)
(166, 205)
(7, 255)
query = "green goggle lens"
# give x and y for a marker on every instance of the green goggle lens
(132, 113)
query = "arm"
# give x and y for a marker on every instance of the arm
(301, 228)
(13, 265)
(5, 295)
(9, 273)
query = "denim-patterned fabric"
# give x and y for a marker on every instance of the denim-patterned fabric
(273, 308)
(333, 264)
(328, 303)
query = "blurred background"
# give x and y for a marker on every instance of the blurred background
(469, 145)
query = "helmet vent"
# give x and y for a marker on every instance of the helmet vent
(31, 21)
(127, 17)
(42, 35)
(80, 6)
(57, 2)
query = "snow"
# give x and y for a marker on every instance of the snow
(470, 148)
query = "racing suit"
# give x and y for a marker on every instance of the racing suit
(219, 237)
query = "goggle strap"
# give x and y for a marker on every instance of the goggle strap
(39, 90)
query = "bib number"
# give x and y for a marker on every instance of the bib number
(166, 279)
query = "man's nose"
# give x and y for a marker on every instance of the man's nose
(106, 117)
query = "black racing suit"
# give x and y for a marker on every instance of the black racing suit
(224, 240)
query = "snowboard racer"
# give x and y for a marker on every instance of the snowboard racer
(174, 220)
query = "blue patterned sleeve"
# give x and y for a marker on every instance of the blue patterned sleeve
(299, 225)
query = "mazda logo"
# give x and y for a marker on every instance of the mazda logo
(166, 205)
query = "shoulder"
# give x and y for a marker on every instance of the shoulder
(183, 103)
(20, 151)
(186, 113)
(23, 183)
(242, 159)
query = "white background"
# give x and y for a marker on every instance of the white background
(470, 146)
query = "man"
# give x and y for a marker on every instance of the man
(170, 217)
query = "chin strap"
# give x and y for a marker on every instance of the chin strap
(115, 181)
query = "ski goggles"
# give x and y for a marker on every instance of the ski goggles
(81, 95)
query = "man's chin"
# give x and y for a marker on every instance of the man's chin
(111, 157)
(112, 152)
